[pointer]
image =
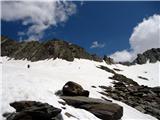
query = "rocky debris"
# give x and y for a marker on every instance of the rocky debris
(34, 50)
(74, 89)
(152, 55)
(97, 58)
(127, 63)
(59, 93)
(107, 88)
(106, 99)
(31, 110)
(142, 98)
(142, 78)
(104, 110)
(70, 115)
(122, 78)
(118, 77)
(108, 60)
(106, 69)
(117, 69)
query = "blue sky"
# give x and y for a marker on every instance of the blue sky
(111, 24)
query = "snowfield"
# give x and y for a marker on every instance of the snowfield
(151, 71)
(44, 78)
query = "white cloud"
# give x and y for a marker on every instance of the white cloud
(146, 35)
(95, 44)
(38, 15)
(121, 56)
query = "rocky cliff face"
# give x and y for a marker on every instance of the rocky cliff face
(152, 55)
(34, 50)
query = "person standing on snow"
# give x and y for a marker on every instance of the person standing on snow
(28, 66)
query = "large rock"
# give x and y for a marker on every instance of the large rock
(31, 110)
(102, 109)
(74, 89)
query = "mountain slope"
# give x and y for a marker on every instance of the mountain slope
(44, 78)
(34, 50)
(146, 74)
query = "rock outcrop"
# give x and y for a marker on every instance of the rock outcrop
(142, 98)
(108, 60)
(122, 78)
(102, 109)
(75, 95)
(34, 50)
(31, 110)
(74, 89)
(152, 55)
(118, 77)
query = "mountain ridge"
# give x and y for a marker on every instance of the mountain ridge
(34, 50)
(151, 55)
(57, 48)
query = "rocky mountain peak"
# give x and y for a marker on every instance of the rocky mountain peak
(34, 50)
(152, 55)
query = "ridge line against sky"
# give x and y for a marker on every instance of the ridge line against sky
(122, 28)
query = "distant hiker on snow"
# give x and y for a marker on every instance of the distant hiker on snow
(28, 66)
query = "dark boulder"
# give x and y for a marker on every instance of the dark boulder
(104, 110)
(74, 89)
(31, 110)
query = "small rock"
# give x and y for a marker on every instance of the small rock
(93, 86)
(69, 115)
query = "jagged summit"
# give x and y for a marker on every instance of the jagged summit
(152, 55)
(34, 50)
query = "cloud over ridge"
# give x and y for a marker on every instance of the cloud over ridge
(146, 35)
